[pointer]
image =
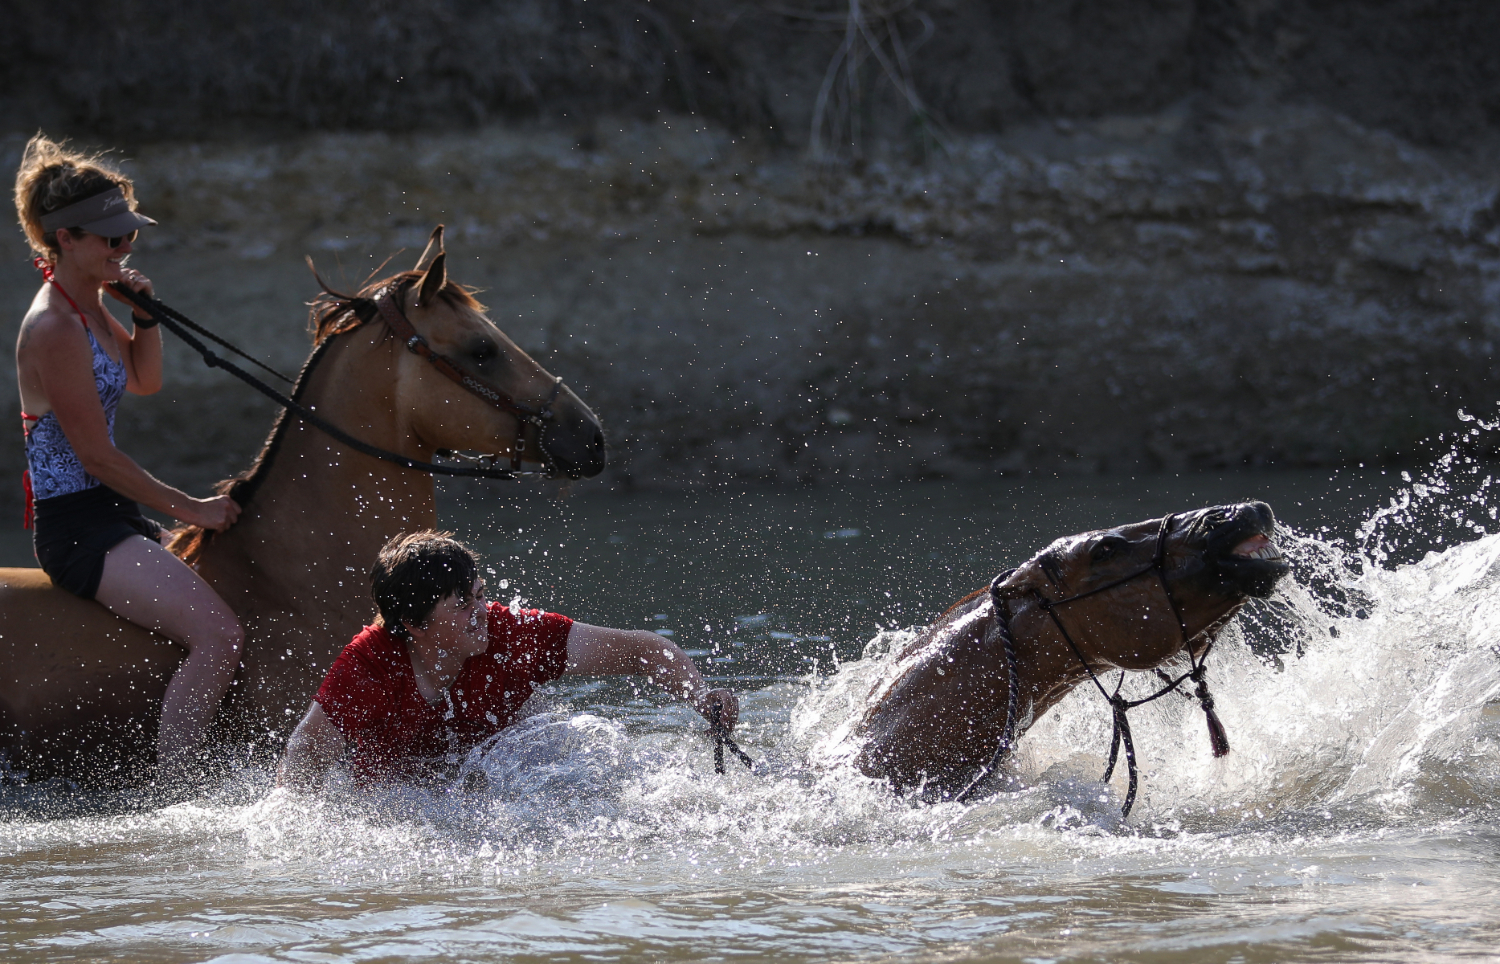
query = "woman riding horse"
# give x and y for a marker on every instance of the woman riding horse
(74, 361)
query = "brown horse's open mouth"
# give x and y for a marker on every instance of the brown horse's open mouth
(1258, 546)
(1245, 557)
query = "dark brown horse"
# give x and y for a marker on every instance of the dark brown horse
(1134, 597)
(80, 689)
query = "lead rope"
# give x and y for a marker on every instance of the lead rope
(722, 739)
(1119, 706)
(181, 319)
(1218, 738)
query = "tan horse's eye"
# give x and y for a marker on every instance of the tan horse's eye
(482, 351)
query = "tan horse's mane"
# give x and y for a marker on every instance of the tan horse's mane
(331, 313)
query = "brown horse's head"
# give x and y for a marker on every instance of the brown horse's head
(1123, 610)
(1132, 597)
(444, 414)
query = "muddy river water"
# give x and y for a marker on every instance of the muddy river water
(1354, 819)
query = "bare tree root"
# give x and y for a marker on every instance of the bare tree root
(871, 30)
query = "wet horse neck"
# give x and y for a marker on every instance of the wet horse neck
(1047, 666)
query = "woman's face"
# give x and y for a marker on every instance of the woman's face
(92, 254)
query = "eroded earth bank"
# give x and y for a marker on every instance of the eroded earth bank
(1144, 292)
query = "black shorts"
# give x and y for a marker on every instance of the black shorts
(73, 533)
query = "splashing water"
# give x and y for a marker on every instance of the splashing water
(1355, 689)
(1362, 702)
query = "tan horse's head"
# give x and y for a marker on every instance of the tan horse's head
(483, 408)
(440, 412)
(1122, 610)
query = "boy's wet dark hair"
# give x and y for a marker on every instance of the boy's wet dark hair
(414, 571)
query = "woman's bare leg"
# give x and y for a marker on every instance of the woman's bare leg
(149, 586)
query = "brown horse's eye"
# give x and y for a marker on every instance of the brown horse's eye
(1108, 546)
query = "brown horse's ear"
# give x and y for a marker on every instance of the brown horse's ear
(433, 249)
(1020, 580)
(433, 281)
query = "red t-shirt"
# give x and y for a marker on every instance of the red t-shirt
(371, 692)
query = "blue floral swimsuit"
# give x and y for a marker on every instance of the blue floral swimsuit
(54, 466)
(77, 518)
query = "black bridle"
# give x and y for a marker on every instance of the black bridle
(1118, 703)
(387, 308)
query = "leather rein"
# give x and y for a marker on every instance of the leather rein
(389, 310)
(1118, 703)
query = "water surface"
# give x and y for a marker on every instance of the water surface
(1353, 821)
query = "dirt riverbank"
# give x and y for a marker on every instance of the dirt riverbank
(1272, 286)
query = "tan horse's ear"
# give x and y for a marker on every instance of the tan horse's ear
(433, 249)
(433, 281)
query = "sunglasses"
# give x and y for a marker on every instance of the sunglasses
(112, 242)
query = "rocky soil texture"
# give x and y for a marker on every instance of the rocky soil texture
(828, 239)
(1158, 291)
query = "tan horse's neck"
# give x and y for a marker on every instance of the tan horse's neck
(295, 565)
(323, 490)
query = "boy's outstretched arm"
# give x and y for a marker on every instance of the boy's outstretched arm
(600, 651)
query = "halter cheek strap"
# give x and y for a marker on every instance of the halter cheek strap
(526, 417)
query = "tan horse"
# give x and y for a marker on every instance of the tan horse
(1134, 597)
(80, 692)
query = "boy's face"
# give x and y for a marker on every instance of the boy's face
(460, 628)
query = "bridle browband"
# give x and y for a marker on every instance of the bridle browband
(1118, 703)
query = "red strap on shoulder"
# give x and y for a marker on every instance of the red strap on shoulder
(45, 267)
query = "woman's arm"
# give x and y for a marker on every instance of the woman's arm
(315, 746)
(61, 363)
(599, 651)
(141, 349)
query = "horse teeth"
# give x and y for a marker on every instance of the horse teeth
(1266, 551)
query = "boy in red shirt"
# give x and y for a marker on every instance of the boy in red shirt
(441, 669)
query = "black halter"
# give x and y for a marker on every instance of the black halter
(1117, 702)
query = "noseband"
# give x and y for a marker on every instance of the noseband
(1119, 704)
(395, 318)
